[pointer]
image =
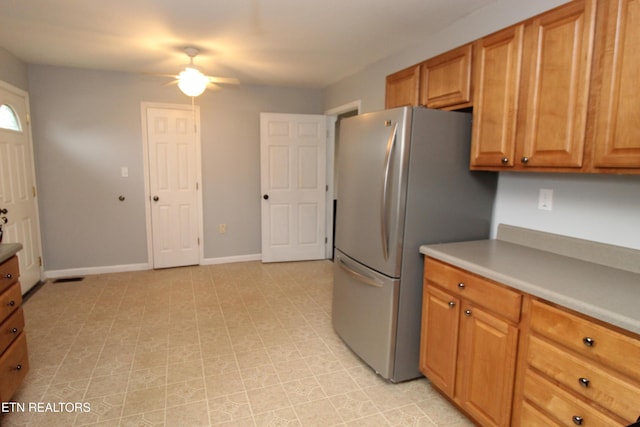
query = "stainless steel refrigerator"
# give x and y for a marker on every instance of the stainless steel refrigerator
(403, 181)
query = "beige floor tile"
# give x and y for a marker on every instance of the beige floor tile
(244, 344)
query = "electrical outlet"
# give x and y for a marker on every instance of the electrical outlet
(545, 199)
(222, 228)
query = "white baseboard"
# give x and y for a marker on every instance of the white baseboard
(230, 259)
(75, 272)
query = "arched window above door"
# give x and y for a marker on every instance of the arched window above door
(8, 118)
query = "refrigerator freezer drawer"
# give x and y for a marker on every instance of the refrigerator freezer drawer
(365, 305)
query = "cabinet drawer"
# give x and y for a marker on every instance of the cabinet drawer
(9, 272)
(11, 328)
(589, 339)
(14, 365)
(586, 378)
(495, 297)
(562, 406)
(10, 300)
(532, 417)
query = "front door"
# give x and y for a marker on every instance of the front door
(17, 184)
(173, 154)
(293, 184)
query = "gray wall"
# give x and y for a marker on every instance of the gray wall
(600, 208)
(13, 70)
(87, 125)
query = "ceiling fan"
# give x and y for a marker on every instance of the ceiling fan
(192, 82)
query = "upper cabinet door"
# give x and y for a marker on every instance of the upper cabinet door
(617, 133)
(497, 60)
(446, 79)
(559, 47)
(403, 88)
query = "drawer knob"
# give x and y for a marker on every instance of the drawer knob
(525, 160)
(588, 341)
(8, 276)
(504, 160)
(11, 303)
(452, 304)
(18, 367)
(577, 420)
(467, 313)
(584, 382)
(14, 330)
(461, 285)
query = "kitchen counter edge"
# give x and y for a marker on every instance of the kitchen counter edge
(602, 292)
(7, 250)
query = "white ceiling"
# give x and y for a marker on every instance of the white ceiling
(309, 43)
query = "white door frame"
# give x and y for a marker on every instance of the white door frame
(332, 118)
(147, 190)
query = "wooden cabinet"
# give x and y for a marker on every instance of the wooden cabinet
(440, 82)
(445, 80)
(14, 362)
(532, 92)
(616, 140)
(497, 60)
(469, 340)
(576, 370)
(403, 88)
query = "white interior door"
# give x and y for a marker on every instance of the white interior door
(293, 185)
(173, 147)
(17, 184)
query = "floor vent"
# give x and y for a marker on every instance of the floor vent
(68, 279)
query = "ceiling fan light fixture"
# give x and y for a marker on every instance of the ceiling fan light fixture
(192, 82)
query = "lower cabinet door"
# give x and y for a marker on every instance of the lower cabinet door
(439, 338)
(486, 366)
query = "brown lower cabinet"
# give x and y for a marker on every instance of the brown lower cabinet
(506, 358)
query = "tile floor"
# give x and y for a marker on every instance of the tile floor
(243, 344)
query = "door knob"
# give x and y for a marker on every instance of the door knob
(266, 197)
(156, 198)
(4, 211)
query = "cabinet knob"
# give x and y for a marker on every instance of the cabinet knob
(577, 420)
(504, 160)
(452, 304)
(584, 382)
(14, 330)
(18, 367)
(8, 276)
(11, 303)
(467, 313)
(525, 160)
(588, 341)
(461, 285)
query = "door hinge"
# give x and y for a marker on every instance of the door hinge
(28, 119)
(33, 190)
(198, 241)
(197, 186)
(326, 188)
(40, 261)
(326, 240)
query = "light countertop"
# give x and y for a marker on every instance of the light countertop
(610, 294)
(7, 250)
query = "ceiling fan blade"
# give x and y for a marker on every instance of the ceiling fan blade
(224, 80)
(213, 86)
(171, 83)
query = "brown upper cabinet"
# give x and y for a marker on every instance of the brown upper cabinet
(616, 139)
(554, 93)
(532, 91)
(441, 82)
(498, 64)
(403, 88)
(445, 81)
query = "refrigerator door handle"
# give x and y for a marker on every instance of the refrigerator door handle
(385, 189)
(371, 281)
